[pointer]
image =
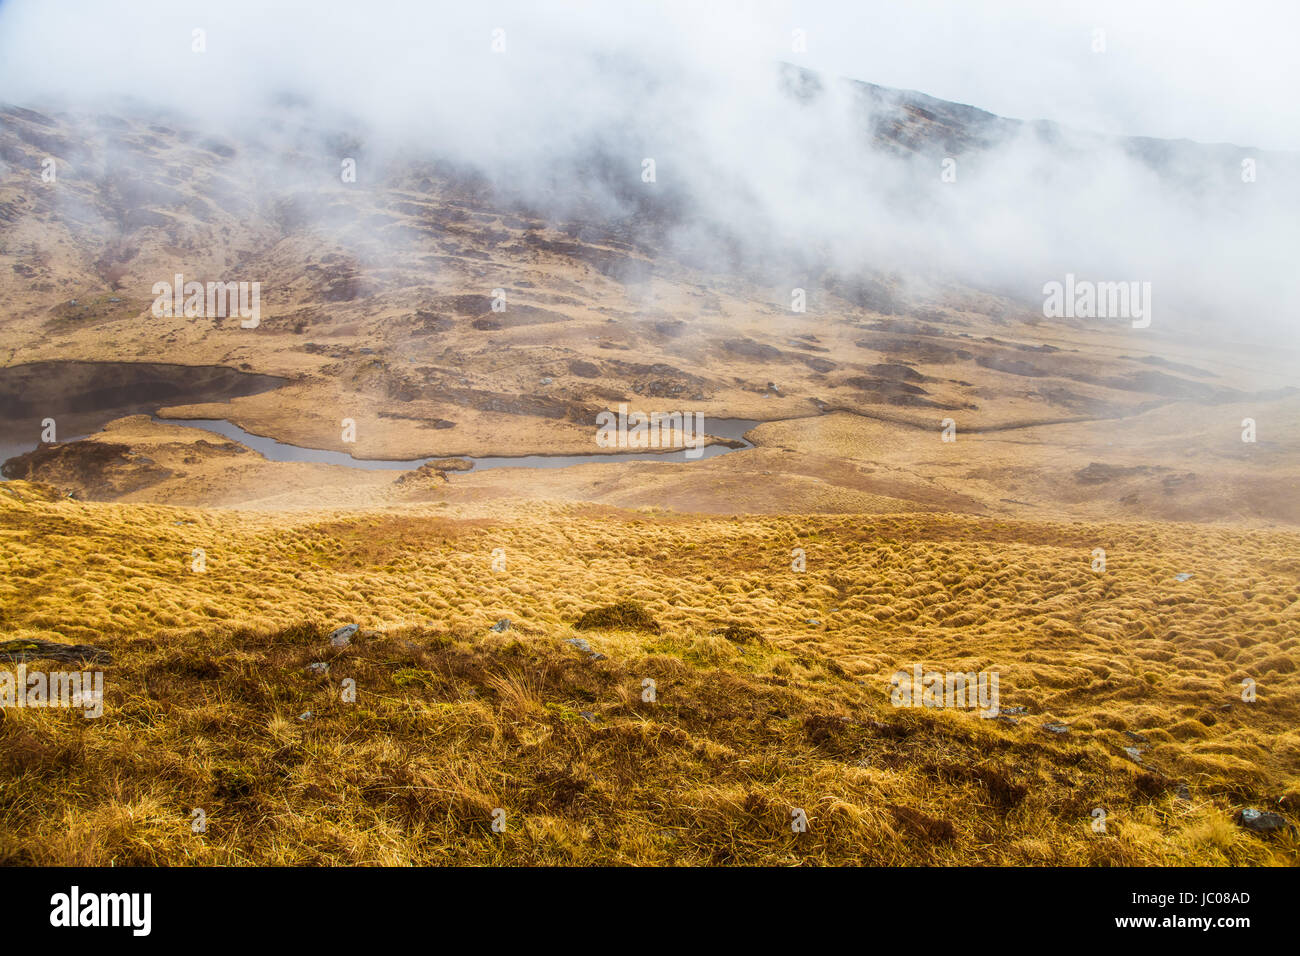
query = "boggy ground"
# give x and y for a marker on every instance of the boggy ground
(379, 305)
(453, 720)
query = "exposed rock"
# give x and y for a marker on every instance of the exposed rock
(36, 649)
(343, 635)
(1262, 821)
(434, 470)
(582, 645)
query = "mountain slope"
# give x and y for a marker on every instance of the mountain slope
(770, 689)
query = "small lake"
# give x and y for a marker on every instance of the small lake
(732, 428)
(82, 397)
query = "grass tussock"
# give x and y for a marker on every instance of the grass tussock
(625, 616)
(430, 738)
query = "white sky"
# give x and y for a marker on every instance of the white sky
(1210, 70)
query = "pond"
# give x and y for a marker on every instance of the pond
(731, 428)
(82, 397)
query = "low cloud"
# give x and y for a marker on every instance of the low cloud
(749, 173)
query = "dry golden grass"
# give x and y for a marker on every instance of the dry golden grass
(452, 721)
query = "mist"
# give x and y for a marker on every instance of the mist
(750, 175)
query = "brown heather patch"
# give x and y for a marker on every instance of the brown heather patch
(451, 721)
(623, 616)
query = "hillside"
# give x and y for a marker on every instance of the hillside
(629, 659)
(771, 688)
